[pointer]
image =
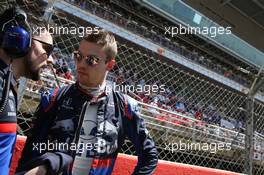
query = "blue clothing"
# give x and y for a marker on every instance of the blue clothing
(58, 118)
(7, 142)
(7, 121)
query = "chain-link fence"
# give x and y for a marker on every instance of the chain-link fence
(192, 119)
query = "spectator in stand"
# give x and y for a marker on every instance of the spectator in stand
(172, 100)
(162, 98)
(142, 83)
(168, 92)
(58, 61)
(64, 67)
(131, 82)
(210, 112)
(127, 74)
(144, 98)
(121, 71)
(135, 77)
(154, 103)
(82, 4)
(120, 79)
(201, 60)
(239, 126)
(180, 106)
(216, 118)
(205, 117)
(228, 74)
(191, 110)
(198, 113)
(67, 75)
(193, 55)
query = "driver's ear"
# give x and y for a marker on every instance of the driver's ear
(111, 64)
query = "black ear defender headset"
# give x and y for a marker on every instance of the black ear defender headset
(15, 40)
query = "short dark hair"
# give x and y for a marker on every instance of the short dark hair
(105, 39)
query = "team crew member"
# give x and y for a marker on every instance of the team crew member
(18, 57)
(86, 115)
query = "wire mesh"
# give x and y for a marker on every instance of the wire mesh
(192, 119)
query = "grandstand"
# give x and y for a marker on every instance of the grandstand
(205, 97)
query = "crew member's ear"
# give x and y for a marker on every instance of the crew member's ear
(110, 64)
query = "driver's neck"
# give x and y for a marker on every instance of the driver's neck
(96, 91)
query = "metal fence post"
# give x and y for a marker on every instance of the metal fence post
(249, 144)
(249, 137)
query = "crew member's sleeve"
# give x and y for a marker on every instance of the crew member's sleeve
(137, 133)
(55, 162)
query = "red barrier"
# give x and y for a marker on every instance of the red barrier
(125, 165)
(20, 143)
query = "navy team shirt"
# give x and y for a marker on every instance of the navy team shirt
(8, 121)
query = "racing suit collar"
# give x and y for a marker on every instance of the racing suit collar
(95, 91)
(95, 96)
